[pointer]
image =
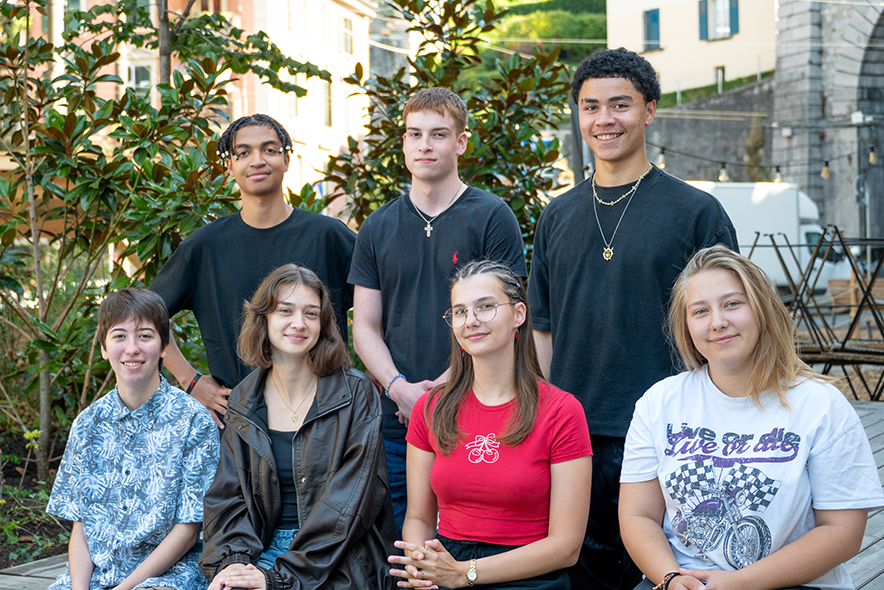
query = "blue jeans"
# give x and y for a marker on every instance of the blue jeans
(395, 451)
(279, 544)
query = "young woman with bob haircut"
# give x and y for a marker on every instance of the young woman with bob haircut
(301, 498)
(758, 469)
(502, 457)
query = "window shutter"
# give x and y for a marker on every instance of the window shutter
(654, 29)
(735, 17)
(704, 21)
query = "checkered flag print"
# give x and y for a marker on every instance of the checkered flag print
(759, 488)
(683, 483)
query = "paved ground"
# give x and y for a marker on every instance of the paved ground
(866, 569)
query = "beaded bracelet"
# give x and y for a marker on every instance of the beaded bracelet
(390, 384)
(193, 383)
(664, 584)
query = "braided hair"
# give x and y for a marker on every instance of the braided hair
(224, 147)
(526, 369)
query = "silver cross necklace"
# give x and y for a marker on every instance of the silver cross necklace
(429, 227)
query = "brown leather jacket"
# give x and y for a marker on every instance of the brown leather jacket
(346, 516)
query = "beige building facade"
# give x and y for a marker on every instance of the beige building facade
(693, 43)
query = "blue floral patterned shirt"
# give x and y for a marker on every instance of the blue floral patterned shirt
(129, 476)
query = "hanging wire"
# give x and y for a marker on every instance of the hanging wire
(784, 166)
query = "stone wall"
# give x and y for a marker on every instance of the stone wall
(717, 129)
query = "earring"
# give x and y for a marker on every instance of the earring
(517, 333)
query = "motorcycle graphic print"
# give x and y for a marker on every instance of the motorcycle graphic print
(483, 448)
(713, 509)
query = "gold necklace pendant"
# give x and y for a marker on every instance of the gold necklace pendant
(295, 417)
(428, 228)
(607, 253)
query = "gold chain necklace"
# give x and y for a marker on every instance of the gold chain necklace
(429, 227)
(608, 251)
(621, 197)
(280, 390)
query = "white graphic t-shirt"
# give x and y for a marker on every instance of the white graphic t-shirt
(741, 482)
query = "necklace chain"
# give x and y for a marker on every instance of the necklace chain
(429, 227)
(608, 251)
(621, 197)
(280, 390)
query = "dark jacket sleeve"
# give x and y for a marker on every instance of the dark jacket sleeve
(228, 532)
(347, 505)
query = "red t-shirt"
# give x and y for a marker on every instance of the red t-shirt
(496, 493)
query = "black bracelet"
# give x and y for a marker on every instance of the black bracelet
(192, 383)
(664, 584)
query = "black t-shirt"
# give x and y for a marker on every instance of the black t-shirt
(607, 317)
(394, 255)
(221, 265)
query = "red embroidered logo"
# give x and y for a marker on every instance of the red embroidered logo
(454, 258)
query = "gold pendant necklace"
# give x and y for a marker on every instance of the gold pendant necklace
(429, 227)
(280, 390)
(608, 250)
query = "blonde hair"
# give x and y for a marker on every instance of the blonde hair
(441, 101)
(776, 366)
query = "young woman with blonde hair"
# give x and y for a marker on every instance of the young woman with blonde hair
(748, 470)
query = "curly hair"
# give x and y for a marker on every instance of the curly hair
(225, 144)
(618, 63)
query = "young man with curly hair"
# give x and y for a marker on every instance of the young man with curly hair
(606, 255)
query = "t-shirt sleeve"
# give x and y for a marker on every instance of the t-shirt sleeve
(418, 430)
(64, 501)
(571, 439)
(200, 462)
(640, 461)
(363, 266)
(842, 470)
(175, 281)
(503, 240)
(538, 284)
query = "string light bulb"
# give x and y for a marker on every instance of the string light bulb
(722, 174)
(661, 159)
(873, 157)
(778, 176)
(825, 171)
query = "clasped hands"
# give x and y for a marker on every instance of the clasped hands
(428, 566)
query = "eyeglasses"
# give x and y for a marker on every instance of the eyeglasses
(456, 317)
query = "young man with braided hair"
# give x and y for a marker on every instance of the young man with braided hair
(606, 255)
(220, 265)
(405, 255)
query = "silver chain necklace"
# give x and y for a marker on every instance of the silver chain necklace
(608, 251)
(429, 227)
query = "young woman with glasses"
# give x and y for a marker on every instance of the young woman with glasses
(497, 454)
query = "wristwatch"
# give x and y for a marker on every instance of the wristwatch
(471, 573)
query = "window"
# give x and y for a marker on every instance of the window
(297, 15)
(211, 6)
(140, 79)
(652, 29)
(719, 19)
(345, 40)
(327, 103)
